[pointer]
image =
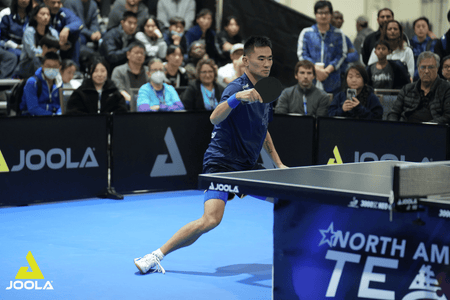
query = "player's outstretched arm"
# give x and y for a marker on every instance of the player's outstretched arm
(270, 149)
(222, 110)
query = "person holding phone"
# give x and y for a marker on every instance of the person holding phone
(357, 100)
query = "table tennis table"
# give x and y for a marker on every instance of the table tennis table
(373, 230)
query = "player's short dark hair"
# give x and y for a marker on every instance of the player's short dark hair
(383, 42)
(305, 64)
(383, 9)
(51, 56)
(177, 20)
(322, 4)
(421, 19)
(256, 41)
(49, 41)
(129, 14)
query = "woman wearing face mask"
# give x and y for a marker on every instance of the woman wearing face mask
(157, 95)
(204, 93)
(365, 105)
(97, 94)
(41, 94)
(150, 35)
(392, 32)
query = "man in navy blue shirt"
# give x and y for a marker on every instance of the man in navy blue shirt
(240, 131)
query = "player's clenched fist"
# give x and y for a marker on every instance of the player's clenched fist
(249, 96)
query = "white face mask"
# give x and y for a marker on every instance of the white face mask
(158, 77)
(51, 73)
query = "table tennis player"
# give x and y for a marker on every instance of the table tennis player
(240, 131)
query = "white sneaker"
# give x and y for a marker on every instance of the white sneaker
(149, 261)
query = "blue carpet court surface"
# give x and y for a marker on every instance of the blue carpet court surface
(85, 249)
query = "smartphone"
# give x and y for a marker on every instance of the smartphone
(351, 93)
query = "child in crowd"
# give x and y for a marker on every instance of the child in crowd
(387, 74)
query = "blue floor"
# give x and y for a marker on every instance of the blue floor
(85, 249)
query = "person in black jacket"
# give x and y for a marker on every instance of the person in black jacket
(204, 93)
(97, 94)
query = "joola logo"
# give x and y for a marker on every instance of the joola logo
(35, 273)
(55, 159)
(224, 188)
(443, 213)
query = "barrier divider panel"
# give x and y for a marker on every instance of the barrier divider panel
(44, 159)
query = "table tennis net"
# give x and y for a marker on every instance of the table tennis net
(422, 179)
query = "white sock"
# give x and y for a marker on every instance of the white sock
(159, 254)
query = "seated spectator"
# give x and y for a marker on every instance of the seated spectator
(201, 31)
(197, 52)
(117, 41)
(152, 38)
(68, 26)
(8, 62)
(173, 34)
(393, 34)
(421, 41)
(303, 98)
(42, 100)
(365, 105)
(446, 67)
(120, 7)
(68, 69)
(97, 94)
(12, 26)
(37, 29)
(233, 70)
(176, 8)
(133, 74)
(387, 74)
(156, 95)
(175, 73)
(204, 93)
(227, 38)
(426, 100)
(87, 12)
(363, 29)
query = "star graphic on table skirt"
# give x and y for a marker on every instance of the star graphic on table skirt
(327, 235)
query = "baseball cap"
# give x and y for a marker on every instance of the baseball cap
(238, 46)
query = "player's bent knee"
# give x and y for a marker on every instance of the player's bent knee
(211, 222)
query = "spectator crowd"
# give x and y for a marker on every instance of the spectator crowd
(175, 60)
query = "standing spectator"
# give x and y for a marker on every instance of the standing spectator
(41, 94)
(133, 74)
(175, 73)
(119, 8)
(363, 29)
(12, 26)
(117, 41)
(97, 94)
(37, 30)
(446, 67)
(325, 46)
(201, 31)
(68, 26)
(442, 47)
(233, 70)
(421, 41)
(197, 52)
(392, 32)
(87, 11)
(365, 105)
(426, 100)
(150, 35)
(387, 74)
(384, 16)
(174, 33)
(303, 98)
(185, 9)
(204, 93)
(156, 95)
(227, 38)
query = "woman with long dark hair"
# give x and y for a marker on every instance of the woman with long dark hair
(363, 104)
(151, 36)
(97, 93)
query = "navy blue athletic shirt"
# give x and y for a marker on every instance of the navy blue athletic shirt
(236, 142)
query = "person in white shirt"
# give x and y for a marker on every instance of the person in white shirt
(233, 70)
